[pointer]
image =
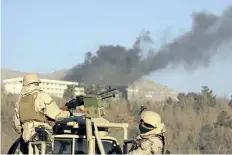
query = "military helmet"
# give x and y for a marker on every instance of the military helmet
(30, 78)
(150, 123)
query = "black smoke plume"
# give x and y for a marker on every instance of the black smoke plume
(117, 65)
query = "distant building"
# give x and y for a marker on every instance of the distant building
(120, 93)
(132, 93)
(52, 87)
(150, 92)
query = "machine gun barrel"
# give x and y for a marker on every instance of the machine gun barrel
(107, 91)
(112, 95)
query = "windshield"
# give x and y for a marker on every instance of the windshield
(109, 146)
(63, 146)
(81, 146)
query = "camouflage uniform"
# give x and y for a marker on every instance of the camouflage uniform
(151, 139)
(32, 110)
(148, 145)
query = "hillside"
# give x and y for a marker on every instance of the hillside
(149, 90)
(150, 85)
(7, 73)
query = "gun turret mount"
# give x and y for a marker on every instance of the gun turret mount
(93, 106)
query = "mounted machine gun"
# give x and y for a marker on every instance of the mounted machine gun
(89, 130)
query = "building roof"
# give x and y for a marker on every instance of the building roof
(20, 79)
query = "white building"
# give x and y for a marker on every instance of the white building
(135, 92)
(52, 87)
(132, 93)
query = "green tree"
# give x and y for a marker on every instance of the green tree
(230, 103)
(93, 89)
(223, 120)
(206, 141)
(169, 100)
(208, 97)
(69, 92)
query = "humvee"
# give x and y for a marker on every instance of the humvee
(70, 136)
(86, 133)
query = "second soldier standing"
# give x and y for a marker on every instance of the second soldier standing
(151, 139)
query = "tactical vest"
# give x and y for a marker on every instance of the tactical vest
(27, 109)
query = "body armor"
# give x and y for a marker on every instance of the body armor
(27, 109)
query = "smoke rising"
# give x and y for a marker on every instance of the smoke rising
(194, 49)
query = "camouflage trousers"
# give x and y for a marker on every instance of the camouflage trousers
(29, 130)
(30, 134)
(48, 140)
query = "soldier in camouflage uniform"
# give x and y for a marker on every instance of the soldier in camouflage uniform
(33, 109)
(151, 139)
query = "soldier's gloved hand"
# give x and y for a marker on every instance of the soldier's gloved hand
(134, 143)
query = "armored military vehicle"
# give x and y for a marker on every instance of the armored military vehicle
(82, 133)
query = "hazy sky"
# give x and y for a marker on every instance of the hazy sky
(45, 36)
